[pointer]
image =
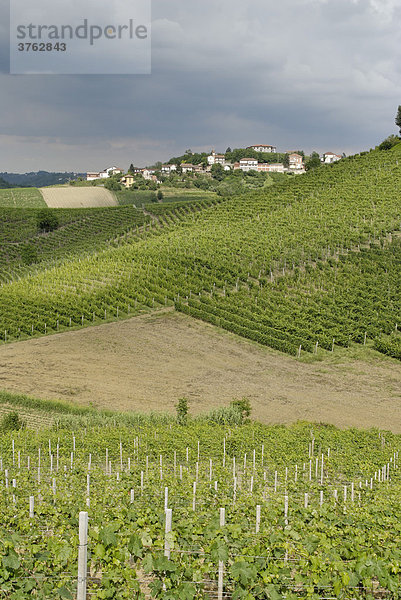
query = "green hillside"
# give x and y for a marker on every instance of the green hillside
(24, 248)
(309, 511)
(298, 267)
(21, 198)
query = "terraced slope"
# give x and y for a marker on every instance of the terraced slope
(238, 249)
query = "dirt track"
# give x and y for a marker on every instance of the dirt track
(76, 197)
(148, 362)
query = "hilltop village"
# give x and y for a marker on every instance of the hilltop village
(258, 158)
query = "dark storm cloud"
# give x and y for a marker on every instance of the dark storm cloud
(321, 74)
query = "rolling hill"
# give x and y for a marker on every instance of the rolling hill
(304, 266)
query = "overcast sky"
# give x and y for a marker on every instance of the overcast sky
(313, 74)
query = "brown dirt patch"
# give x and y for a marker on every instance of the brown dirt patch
(77, 197)
(148, 362)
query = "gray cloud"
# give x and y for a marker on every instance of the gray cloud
(313, 74)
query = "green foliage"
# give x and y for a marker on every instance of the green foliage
(12, 422)
(391, 346)
(263, 157)
(21, 198)
(47, 220)
(182, 411)
(81, 231)
(4, 185)
(217, 172)
(29, 254)
(338, 549)
(237, 413)
(313, 162)
(39, 179)
(112, 184)
(299, 266)
(160, 195)
(398, 118)
(225, 415)
(196, 158)
(244, 408)
(389, 142)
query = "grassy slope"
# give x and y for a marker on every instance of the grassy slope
(21, 198)
(140, 197)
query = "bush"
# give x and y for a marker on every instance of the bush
(235, 414)
(389, 142)
(226, 415)
(182, 411)
(112, 185)
(243, 406)
(12, 422)
(47, 220)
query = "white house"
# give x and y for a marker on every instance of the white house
(216, 159)
(168, 169)
(148, 174)
(262, 148)
(296, 162)
(91, 176)
(330, 157)
(248, 164)
(187, 168)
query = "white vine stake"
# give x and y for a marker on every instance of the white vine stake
(194, 497)
(221, 564)
(82, 555)
(167, 546)
(257, 528)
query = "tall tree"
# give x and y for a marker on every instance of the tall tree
(314, 161)
(398, 118)
(218, 172)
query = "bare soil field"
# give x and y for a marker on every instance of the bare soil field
(72, 197)
(148, 362)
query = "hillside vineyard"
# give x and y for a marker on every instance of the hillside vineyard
(309, 264)
(200, 511)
